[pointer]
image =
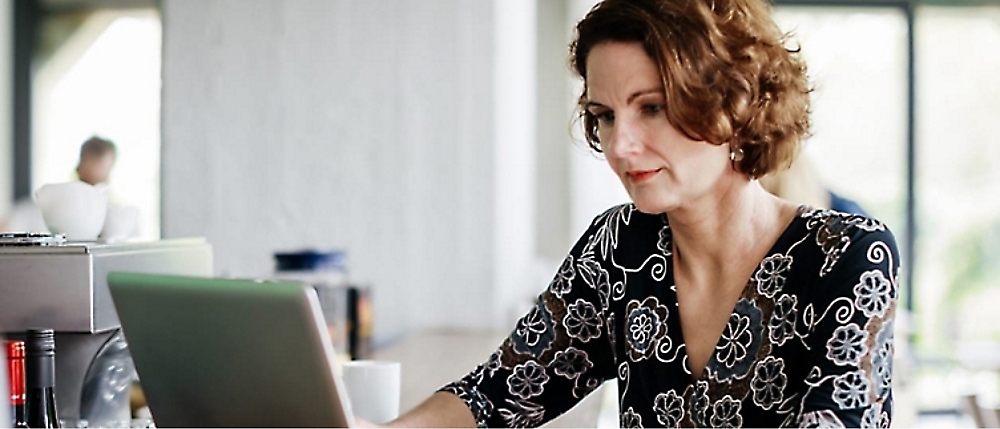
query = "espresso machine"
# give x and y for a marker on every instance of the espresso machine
(46, 282)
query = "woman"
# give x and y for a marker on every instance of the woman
(709, 300)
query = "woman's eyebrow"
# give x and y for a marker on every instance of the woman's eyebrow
(638, 94)
(591, 103)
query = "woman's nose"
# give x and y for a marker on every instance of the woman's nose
(626, 139)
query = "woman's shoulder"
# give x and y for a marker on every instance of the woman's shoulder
(847, 253)
(837, 231)
(818, 216)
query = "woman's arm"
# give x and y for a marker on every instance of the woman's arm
(851, 332)
(556, 355)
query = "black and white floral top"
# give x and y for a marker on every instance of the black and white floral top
(809, 342)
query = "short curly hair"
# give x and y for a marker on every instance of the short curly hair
(727, 74)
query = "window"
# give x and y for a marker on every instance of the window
(857, 65)
(98, 73)
(957, 278)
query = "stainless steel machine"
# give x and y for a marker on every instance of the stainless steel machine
(46, 282)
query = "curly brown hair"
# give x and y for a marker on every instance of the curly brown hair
(726, 71)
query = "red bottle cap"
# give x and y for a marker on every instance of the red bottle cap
(15, 370)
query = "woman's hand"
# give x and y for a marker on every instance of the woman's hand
(362, 423)
(441, 410)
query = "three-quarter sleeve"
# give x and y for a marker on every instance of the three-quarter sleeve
(557, 353)
(849, 369)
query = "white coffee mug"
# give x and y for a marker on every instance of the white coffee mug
(373, 388)
(76, 209)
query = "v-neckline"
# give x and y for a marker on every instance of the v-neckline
(743, 294)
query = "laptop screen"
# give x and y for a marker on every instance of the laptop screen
(230, 353)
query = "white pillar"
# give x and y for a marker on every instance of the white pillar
(514, 156)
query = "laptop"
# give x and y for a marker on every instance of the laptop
(215, 352)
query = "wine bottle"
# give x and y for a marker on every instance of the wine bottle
(40, 380)
(15, 371)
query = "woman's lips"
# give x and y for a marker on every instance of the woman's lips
(639, 176)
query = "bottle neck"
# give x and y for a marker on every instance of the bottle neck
(16, 370)
(41, 372)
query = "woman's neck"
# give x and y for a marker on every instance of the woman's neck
(725, 226)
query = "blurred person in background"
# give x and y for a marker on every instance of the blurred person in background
(97, 157)
(799, 184)
(709, 301)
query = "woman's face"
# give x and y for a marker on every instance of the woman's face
(660, 167)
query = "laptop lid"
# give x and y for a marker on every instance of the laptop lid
(230, 353)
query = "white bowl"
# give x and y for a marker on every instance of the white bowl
(76, 209)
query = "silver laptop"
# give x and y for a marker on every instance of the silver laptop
(230, 353)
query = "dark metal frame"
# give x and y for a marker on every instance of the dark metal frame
(910, 231)
(26, 14)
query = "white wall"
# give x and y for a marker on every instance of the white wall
(430, 139)
(6, 114)
(365, 125)
(514, 117)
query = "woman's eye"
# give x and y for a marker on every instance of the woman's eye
(653, 108)
(605, 116)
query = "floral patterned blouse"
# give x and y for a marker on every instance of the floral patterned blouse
(809, 342)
